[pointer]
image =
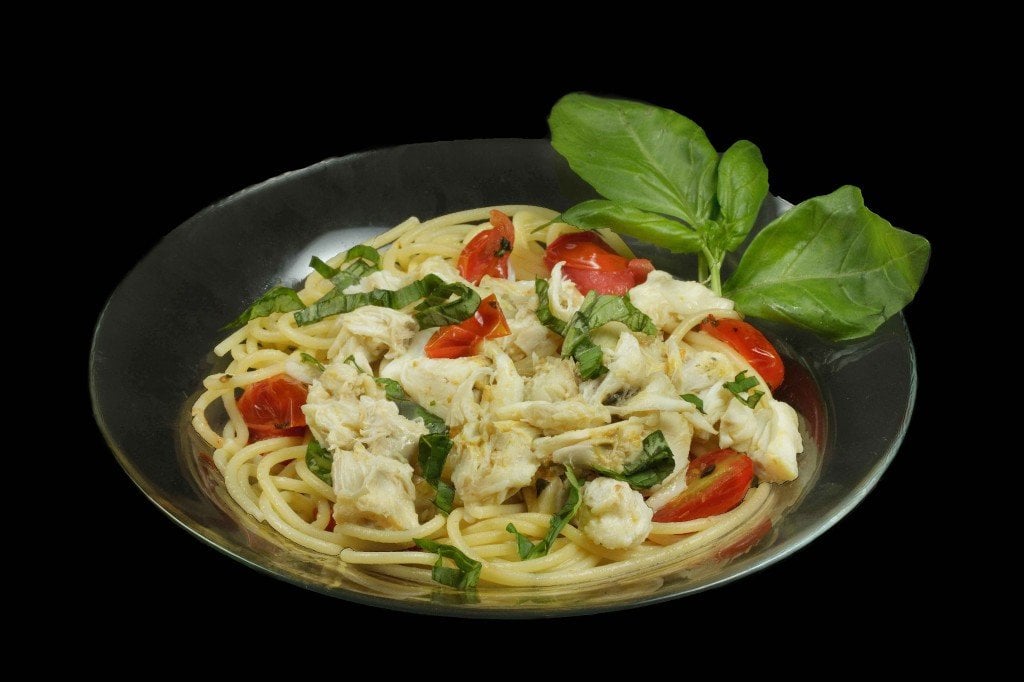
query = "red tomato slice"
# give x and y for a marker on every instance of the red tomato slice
(488, 320)
(462, 340)
(715, 483)
(488, 252)
(746, 340)
(273, 407)
(593, 266)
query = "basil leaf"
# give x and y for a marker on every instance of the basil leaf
(463, 577)
(694, 400)
(365, 252)
(742, 187)
(277, 300)
(322, 268)
(741, 384)
(392, 389)
(637, 155)
(649, 227)
(544, 314)
(434, 449)
(335, 302)
(529, 550)
(597, 310)
(650, 468)
(433, 423)
(319, 460)
(310, 360)
(437, 311)
(830, 265)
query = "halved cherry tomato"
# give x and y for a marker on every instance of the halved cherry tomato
(462, 339)
(487, 253)
(592, 265)
(715, 483)
(273, 407)
(746, 340)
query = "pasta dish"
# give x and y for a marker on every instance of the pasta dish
(494, 396)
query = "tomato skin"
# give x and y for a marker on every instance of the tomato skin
(749, 342)
(488, 252)
(715, 483)
(273, 407)
(592, 265)
(462, 340)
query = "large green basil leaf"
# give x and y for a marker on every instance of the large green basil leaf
(649, 227)
(637, 155)
(742, 187)
(830, 265)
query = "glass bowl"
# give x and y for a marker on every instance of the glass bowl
(152, 348)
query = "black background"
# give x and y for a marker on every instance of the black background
(175, 143)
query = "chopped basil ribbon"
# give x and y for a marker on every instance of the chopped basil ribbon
(694, 400)
(529, 550)
(544, 314)
(466, 573)
(650, 468)
(435, 311)
(319, 461)
(277, 300)
(392, 389)
(434, 449)
(310, 360)
(596, 310)
(741, 384)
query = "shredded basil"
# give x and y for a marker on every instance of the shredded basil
(650, 468)
(598, 310)
(529, 550)
(741, 384)
(505, 247)
(392, 389)
(434, 449)
(319, 461)
(694, 400)
(277, 300)
(544, 314)
(437, 311)
(466, 572)
(310, 360)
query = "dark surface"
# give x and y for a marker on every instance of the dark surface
(177, 149)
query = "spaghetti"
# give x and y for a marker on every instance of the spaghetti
(271, 480)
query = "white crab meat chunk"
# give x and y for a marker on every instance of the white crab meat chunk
(607, 447)
(372, 332)
(556, 417)
(373, 491)
(614, 515)
(669, 301)
(381, 279)
(660, 395)
(506, 386)
(385, 432)
(553, 379)
(628, 366)
(527, 336)
(768, 434)
(434, 382)
(494, 462)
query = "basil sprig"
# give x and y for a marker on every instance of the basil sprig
(530, 550)
(650, 468)
(829, 265)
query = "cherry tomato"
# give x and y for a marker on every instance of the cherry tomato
(462, 339)
(487, 253)
(715, 483)
(593, 266)
(746, 340)
(273, 407)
